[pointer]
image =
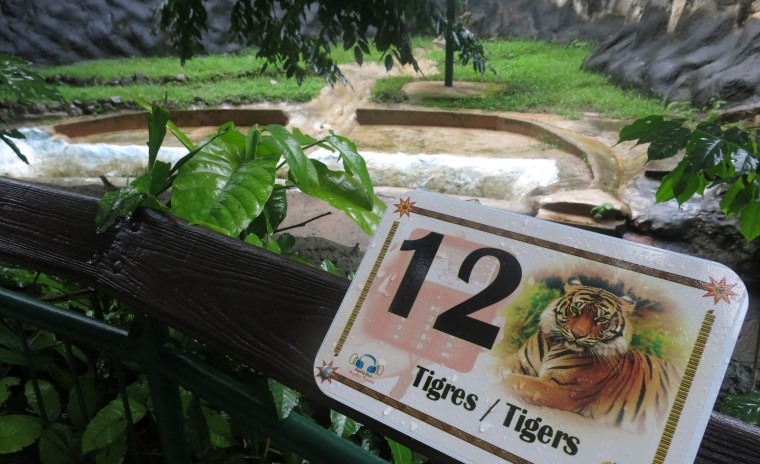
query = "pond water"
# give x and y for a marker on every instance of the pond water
(491, 177)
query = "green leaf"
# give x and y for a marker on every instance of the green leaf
(668, 144)
(159, 177)
(59, 445)
(300, 170)
(401, 454)
(286, 242)
(13, 146)
(113, 453)
(50, 399)
(220, 432)
(727, 202)
(5, 387)
(353, 162)
(688, 185)
(745, 407)
(139, 391)
(253, 239)
(274, 213)
(641, 129)
(345, 193)
(749, 220)
(252, 140)
(328, 266)
(122, 203)
(18, 432)
(197, 429)
(743, 162)
(90, 396)
(220, 189)
(181, 162)
(179, 135)
(285, 399)
(342, 425)
(110, 424)
(183, 139)
(19, 78)
(706, 147)
(666, 138)
(358, 55)
(306, 140)
(8, 337)
(157, 120)
(388, 62)
(10, 357)
(665, 191)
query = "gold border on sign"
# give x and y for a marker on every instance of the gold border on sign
(683, 389)
(437, 423)
(365, 290)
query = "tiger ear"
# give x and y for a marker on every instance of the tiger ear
(628, 303)
(573, 283)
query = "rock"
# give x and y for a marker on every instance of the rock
(116, 100)
(606, 226)
(698, 227)
(51, 33)
(706, 59)
(736, 381)
(139, 78)
(582, 202)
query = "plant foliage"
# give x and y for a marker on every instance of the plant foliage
(745, 407)
(19, 80)
(227, 183)
(276, 29)
(713, 156)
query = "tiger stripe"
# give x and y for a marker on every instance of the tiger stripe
(579, 361)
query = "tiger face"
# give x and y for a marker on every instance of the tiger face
(589, 320)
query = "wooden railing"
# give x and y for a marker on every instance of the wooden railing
(265, 310)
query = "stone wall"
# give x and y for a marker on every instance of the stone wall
(702, 51)
(65, 31)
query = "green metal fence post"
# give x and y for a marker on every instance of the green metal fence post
(167, 405)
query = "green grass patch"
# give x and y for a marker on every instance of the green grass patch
(248, 90)
(215, 79)
(538, 77)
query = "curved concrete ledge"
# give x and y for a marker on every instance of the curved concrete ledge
(598, 157)
(182, 118)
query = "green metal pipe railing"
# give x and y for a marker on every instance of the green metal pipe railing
(295, 432)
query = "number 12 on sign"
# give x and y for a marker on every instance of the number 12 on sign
(456, 321)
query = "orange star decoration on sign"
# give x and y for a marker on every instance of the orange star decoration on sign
(405, 207)
(719, 290)
(326, 372)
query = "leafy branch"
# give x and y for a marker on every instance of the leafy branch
(276, 30)
(227, 183)
(19, 78)
(713, 155)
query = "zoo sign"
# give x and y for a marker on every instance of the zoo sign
(496, 337)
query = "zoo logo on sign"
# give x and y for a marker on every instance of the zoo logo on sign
(366, 364)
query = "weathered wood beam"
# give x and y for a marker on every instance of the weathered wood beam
(264, 310)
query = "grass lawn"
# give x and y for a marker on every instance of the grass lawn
(215, 78)
(537, 77)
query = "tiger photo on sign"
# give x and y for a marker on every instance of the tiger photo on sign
(580, 359)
